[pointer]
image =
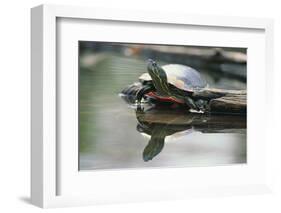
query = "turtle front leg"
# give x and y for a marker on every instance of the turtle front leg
(144, 90)
(202, 105)
(191, 104)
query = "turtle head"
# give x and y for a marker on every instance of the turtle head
(154, 69)
(158, 76)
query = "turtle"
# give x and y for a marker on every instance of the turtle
(174, 82)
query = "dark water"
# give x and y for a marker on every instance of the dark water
(113, 135)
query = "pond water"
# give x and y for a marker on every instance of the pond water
(114, 136)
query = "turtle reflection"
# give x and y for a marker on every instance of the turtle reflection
(160, 122)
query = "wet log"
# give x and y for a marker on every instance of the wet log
(224, 101)
(229, 104)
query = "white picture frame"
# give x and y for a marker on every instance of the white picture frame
(45, 157)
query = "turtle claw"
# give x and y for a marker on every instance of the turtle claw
(199, 106)
(202, 105)
(193, 107)
(140, 108)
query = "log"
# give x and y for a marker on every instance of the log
(211, 93)
(236, 104)
(224, 101)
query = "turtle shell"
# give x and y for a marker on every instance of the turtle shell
(181, 76)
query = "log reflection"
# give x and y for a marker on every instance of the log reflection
(159, 123)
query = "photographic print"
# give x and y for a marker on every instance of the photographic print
(157, 106)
